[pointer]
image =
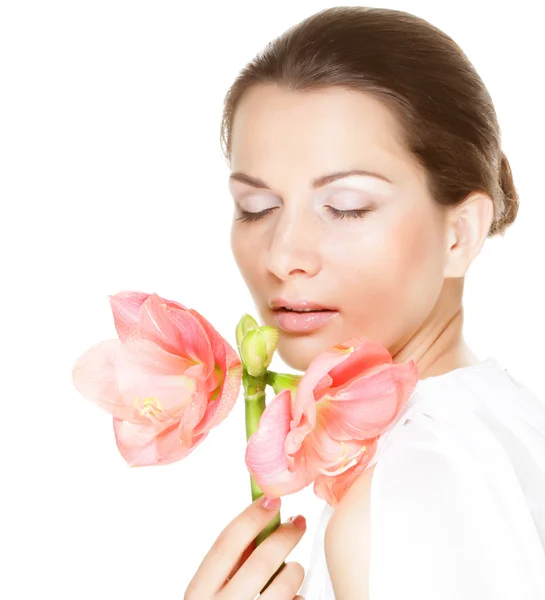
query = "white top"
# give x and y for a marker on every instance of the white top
(457, 496)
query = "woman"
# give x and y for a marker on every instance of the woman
(367, 173)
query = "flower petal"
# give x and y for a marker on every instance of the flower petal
(219, 408)
(334, 367)
(193, 414)
(222, 351)
(147, 373)
(125, 306)
(315, 376)
(332, 488)
(266, 457)
(142, 445)
(367, 406)
(331, 453)
(176, 330)
(365, 354)
(229, 364)
(94, 376)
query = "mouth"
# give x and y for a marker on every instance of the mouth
(303, 320)
(303, 310)
(298, 305)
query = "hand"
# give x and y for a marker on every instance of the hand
(234, 569)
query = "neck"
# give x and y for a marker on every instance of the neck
(438, 346)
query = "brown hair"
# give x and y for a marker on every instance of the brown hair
(447, 116)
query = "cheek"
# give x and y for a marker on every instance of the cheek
(240, 244)
(419, 267)
(392, 277)
(249, 260)
(418, 251)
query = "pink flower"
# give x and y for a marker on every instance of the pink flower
(168, 380)
(328, 432)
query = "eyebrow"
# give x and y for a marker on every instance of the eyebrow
(316, 183)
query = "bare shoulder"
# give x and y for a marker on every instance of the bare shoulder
(347, 541)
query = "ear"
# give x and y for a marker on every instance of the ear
(467, 229)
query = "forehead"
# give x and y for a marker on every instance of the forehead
(315, 131)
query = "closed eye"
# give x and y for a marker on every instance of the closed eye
(357, 213)
(249, 217)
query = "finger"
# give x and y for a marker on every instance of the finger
(286, 583)
(227, 551)
(244, 557)
(263, 562)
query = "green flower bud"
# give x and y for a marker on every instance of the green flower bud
(246, 323)
(253, 352)
(271, 338)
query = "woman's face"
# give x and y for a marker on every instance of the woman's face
(383, 270)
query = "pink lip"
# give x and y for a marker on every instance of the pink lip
(302, 322)
(277, 303)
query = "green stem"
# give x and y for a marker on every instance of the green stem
(282, 381)
(254, 402)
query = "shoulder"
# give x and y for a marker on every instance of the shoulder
(347, 541)
(443, 503)
(403, 465)
(386, 504)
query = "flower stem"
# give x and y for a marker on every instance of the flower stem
(282, 381)
(254, 402)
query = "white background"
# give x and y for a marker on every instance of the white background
(112, 179)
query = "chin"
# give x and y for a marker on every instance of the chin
(299, 352)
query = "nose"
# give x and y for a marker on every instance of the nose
(295, 245)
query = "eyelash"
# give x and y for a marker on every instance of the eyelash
(358, 213)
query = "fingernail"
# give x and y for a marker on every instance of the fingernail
(271, 503)
(299, 521)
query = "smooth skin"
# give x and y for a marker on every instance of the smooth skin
(234, 569)
(395, 274)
